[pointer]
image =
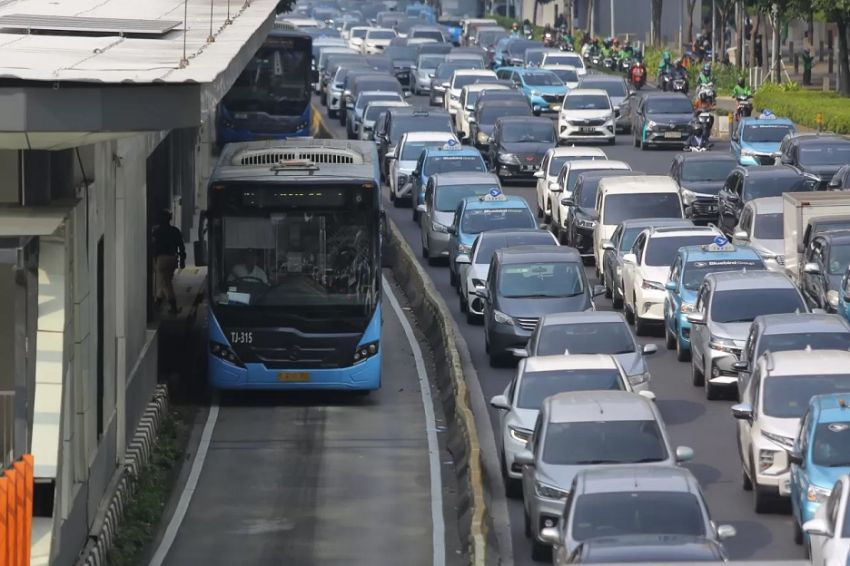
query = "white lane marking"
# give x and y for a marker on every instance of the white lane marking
(438, 526)
(189, 489)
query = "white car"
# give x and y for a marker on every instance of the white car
(370, 115)
(565, 58)
(536, 379)
(587, 115)
(404, 157)
(459, 79)
(356, 35)
(774, 400)
(566, 182)
(828, 530)
(550, 168)
(376, 40)
(646, 269)
(567, 73)
(466, 104)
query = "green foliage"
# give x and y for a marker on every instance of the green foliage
(506, 23)
(725, 76)
(802, 106)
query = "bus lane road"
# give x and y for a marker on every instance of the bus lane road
(319, 478)
(706, 426)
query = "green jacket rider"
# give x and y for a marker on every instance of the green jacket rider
(741, 89)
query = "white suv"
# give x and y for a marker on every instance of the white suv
(774, 400)
(646, 269)
(550, 168)
(586, 115)
(459, 79)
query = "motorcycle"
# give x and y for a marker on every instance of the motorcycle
(637, 75)
(706, 96)
(665, 80)
(566, 46)
(595, 60)
(679, 83)
(701, 126)
(548, 40)
(527, 32)
(744, 108)
(608, 63)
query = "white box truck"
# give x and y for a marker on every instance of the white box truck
(798, 210)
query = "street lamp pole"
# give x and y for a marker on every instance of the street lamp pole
(713, 31)
(682, 24)
(612, 18)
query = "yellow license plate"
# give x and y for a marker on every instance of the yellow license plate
(293, 377)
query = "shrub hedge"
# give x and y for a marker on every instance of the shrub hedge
(802, 106)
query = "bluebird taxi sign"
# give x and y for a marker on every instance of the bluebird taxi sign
(720, 244)
(451, 144)
(494, 194)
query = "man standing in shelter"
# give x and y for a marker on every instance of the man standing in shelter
(168, 253)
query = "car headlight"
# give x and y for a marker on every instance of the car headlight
(585, 223)
(502, 318)
(722, 345)
(519, 434)
(686, 308)
(401, 180)
(652, 285)
(477, 283)
(766, 458)
(640, 378)
(651, 124)
(482, 138)
(225, 353)
(688, 197)
(437, 227)
(784, 441)
(815, 494)
(748, 152)
(509, 158)
(365, 351)
(832, 298)
(463, 249)
(535, 93)
(549, 492)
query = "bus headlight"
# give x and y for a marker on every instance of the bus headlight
(365, 351)
(225, 353)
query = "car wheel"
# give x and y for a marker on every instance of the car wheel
(798, 532)
(462, 303)
(392, 194)
(746, 483)
(527, 522)
(495, 358)
(513, 487)
(697, 377)
(415, 215)
(608, 292)
(641, 326)
(539, 551)
(396, 200)
(627, 310)
(669, 338)
(453, 278)
(635, 140)
(762, 501)
(472, 318)
(682, 354)
(643, 145)
(712, 391)
(332, 113)
(616, 299)
(539, 211)
(612, 141)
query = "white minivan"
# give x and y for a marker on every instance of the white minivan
(627, 198)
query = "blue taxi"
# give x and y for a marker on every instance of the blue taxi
(543, 88)
(756, 140)
(691, 265)
(820, 456)
(450, 158)
(492, 211)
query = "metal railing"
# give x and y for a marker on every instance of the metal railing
(7, 429)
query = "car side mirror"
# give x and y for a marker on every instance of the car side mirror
(481, 292)
(463, 258)
(742, 411)
(524, 458)
(421, 208)
(538, 174)
(795, 457)
(471, 119)
(741, 235)
(812, 268)
(445, 85)
(649, 349)
(607, 245)
(554, 187)
(648, 395)
(726, 531)
(452, 230)
(568, 201)
(671, 286)
(696, 318)
(818, 527)
(391, 154)
(407, 94)
(598, 290)
(519, 352)
(500, 402)
(630, 258)
(741, 365)
(684, 454)
(431, 75)
(550, 535)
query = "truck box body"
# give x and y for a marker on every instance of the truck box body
(798, 209)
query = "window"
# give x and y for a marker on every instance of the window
(542, 279)
(603, 442)
(597, 338)
(839, 258)
(660, 252)
(768, 226)
(743, 305)
(787, 396)
(537, 386)
(626, 206)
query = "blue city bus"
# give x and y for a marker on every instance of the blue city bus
(294, 251)
(271, 97)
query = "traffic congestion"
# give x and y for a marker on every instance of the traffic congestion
(658, 316)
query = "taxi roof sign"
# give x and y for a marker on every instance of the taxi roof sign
(720, 244)
(451, 144)
(494, 194)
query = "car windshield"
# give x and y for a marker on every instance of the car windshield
(359, 33)
(619, 513)
(566, 75)
(586, 102)
(488, 246)
(774, 186)
(839, 258)
(536, 386)
(541, 279)
(801, 340)
(541, 78)
(411, 123)
(587, 338)
(453, 163)
(490, 113)
(430, 62)
(483, 219)
(629, 237)
(364, 99)
(831, 447)
(529, 132)
(401, 53)
(412, 150)
(557, 162)
(743, 305)
(445, 70)
(695, 271)
(825, 154)
(620, 207)
(380, 34)
(705, 170)
(533, 57)
(769, 226)
(373, 111)
(760, 133)
(669, 106)
(429, 34)
(488, 38)
(449, 196)
(570, 60)
(461, 81)
(615, 89)
(787, 396)
(574, 174)
(660, 252)
(587, 195)
(603, 442)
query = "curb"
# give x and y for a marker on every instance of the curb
(123, 486)
(317, 128)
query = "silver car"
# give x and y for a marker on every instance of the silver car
(761, 227)
(443, 193)
(576, 431)
(618, 91)
(592, 332)
(423, 71)
(634, 500)
(724, 310)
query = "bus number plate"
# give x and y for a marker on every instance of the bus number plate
(293, 377)
(241, 337)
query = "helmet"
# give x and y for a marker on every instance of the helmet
(666, 56)
(616, 41)
(706, 69)
(741, 82)
(514, 25)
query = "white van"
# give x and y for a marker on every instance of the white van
(626, 198)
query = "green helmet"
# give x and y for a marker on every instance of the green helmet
(666, 55)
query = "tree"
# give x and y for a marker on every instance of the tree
(725, 8)
(656, 23)
(691, 5)
(589, 21)
(536, 4)
(838, 11)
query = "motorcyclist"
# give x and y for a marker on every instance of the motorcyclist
(665, 66)
(705, 77)
(741, 89)
(627, 52)
(515, 29)
(565, 36)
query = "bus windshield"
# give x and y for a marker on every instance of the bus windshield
(295, 247)
(276, 81)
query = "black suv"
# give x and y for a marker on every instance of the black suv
(817, 156)
(824, 264)
(487, 112)
(582, 215)
(519, 143)
(700, 177)
(662, 119)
